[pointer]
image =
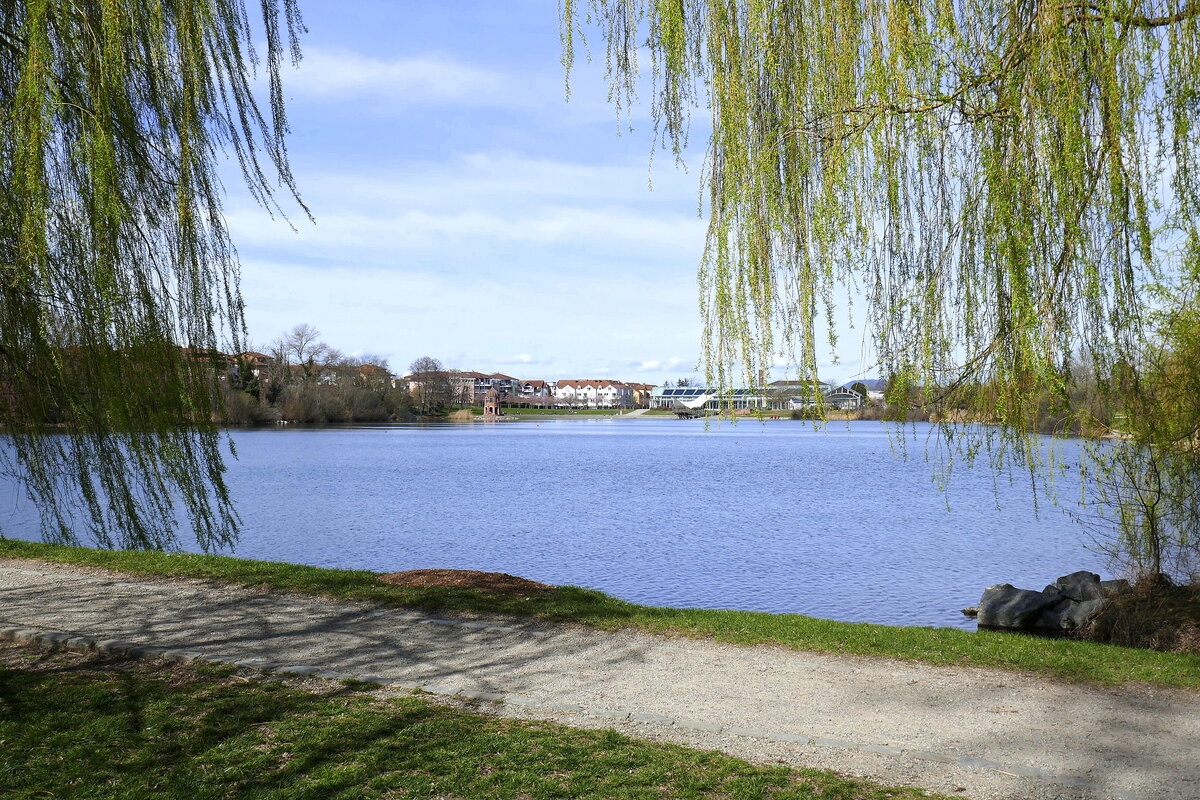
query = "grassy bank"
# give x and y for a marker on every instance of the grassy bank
(1061, 658)
(87, 728)
(564, 412)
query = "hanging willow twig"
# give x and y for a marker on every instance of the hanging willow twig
(1003, 179)
(117, 277)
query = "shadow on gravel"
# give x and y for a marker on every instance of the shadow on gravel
(350, 638)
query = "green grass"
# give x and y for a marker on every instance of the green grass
(1058, 658)
(97, 729)
(558, 412)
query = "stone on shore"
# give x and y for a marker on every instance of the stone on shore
(1080, 586)
(1005, 606)
(1069, 603)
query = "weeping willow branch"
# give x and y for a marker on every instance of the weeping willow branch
(992, 173)
(1005, 181)
(118, 272)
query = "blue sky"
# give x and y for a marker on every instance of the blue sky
(465, 210)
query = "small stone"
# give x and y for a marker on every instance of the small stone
(882, 748)
(1028, 772)
(608, 713)
(656, 719)
(699, 725)
(25, 635)
(842, 744)
(749, 733)
(978, 763)
(147, 651)
(181, 656)
(299, 669)
(798, 738)
(53, 638)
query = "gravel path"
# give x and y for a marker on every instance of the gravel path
(979, 733)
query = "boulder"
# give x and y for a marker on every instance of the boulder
(1054, 618)
(1005, 606)
(1080, 614)
(1080, 586)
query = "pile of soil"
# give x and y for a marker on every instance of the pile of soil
(493, 582)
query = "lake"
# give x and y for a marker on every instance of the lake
(767, 516)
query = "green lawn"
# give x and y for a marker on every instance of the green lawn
(560, 412)
(72, 727)
(1060, 658)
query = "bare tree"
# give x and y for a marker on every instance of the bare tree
(430, 384)
(302, 346)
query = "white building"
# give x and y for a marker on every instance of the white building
(603, 393)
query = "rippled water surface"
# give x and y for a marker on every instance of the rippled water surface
(766, 516)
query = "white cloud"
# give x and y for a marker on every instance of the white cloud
(423, 79)
(402, 314)
(501, 210)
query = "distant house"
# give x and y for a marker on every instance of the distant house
(777, 396)
(255, 363)
(374, 375)
(323, 374)
(505, 385)
(534, 393)
(592, 393)
(641, 394)
(845, 398)
(462, 386)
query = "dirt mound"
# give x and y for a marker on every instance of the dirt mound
(494, 582)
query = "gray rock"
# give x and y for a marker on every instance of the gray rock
(1054, 617)
(1005, 606)
(1080, 586)
(1080, 614)
(1114, 587)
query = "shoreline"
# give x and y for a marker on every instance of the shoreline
(1062, 659)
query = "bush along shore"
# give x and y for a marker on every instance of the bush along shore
(1064, 659)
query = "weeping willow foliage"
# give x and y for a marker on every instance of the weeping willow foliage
(1001, 180)
(117, 277)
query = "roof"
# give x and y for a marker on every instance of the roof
(595, 383)
(796, 384)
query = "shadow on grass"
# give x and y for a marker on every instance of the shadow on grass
(103, 730)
